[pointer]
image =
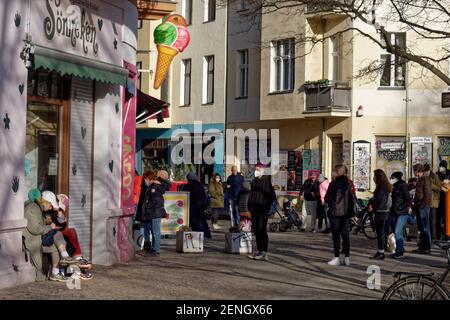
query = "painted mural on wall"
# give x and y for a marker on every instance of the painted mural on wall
(444, 149)
(391, 154)
(171, 37)
(361, 165)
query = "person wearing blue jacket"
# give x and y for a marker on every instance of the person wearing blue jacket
(234, 186)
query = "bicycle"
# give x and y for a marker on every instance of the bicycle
(364, 221)
(420, 286)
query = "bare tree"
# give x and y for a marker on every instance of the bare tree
(428, 19)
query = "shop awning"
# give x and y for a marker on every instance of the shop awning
(149, 107)
(66, 63)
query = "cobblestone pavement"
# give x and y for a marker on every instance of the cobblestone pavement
(297, 269)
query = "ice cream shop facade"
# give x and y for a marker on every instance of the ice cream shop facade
(68, 110)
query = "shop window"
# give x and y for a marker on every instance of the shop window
(391, 154)
(45, 84)
(155, 153)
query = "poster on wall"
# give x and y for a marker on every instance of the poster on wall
(298, 170)
(280, 179)
(311, 161)
(177, 208)
(391, 154)
(421, 153)
(444, 149)
(361, 165)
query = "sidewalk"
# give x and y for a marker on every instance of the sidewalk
(297, 269)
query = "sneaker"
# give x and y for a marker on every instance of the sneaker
(58, 277)
(154, 254)
(315, 231)
(335, 262)
(216, 226)
(421, 251)
(261, 256)
(397, 256)
(253, 255)
(347, 261)
(378, 256)
(86, 276)
(68, 261)
(84, 263)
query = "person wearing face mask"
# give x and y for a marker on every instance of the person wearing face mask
(215, 190)
(399, 209)
(422, 203)
(262, 195)
(444, 176)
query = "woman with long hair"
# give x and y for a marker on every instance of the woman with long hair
(215, 190)
(380, 205)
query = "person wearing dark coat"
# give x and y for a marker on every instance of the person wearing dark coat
(262, 195)
(399, 209)
(197, 205)
(444, 176)
(152, 210)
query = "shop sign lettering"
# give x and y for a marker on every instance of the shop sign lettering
(71, 23)
(127, 178)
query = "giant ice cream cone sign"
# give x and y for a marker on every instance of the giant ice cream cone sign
(171, 38)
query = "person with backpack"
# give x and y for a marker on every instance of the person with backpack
(215, 190)
(339, 199)
(311, 196)
(399, 209)
(381, 204)
(262, 195)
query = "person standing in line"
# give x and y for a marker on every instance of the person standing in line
(435, 197)
(324, 183)
(444, 177)
(422, 203)
(262, 195)
(380, 205)
(311, 196)
(244, 212)
(339, 199)
(146, 180)
(215, 190)
(399, 208)
(234, 185)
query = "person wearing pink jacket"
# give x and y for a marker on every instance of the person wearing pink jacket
(323, 188)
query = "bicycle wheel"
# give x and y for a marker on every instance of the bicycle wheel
(368, 226)
(273, 227)
(415, 288)
(283, 226)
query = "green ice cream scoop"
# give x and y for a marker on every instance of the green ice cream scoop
(165, 33)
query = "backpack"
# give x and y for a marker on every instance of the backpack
(341, 203)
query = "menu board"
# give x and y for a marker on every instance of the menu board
(361, 165)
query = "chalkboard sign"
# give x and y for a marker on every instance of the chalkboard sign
(446, 100)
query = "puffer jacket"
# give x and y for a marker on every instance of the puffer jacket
(262, 195)
(423, 192)
(153, 205)
(400, 198)
(217, 196)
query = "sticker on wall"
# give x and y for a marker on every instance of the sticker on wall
(83, 132)
(15, 184)
(111, 165)
(27, 166)
(21, 88)
(115, 44)
(100, 24)
(74, 169)
(7, 121)
(171, 37)
(117, 107)
(17, 19)
(83, 200)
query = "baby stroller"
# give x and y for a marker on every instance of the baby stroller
(288, 218)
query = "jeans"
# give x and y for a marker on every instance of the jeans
(380, 224)
(154, 227)
(399, 230)
(259, 222)
(425, 228)
(340, 227)
(311, 209)
(234, 209)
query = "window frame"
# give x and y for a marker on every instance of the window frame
(243, 73)
(210, 13)
(188, 11)
(384, 55)
(184, 89)
(208, 78)
(280, 59)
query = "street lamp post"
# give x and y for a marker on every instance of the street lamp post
(401, 78)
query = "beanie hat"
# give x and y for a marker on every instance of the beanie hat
(34, 194)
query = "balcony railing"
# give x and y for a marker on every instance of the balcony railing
(329, 97)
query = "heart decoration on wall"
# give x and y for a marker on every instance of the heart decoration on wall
(7, 121)
(111, 165)
(21, 88)
(15, 184)
(17, 19)
(74, 169)
(83, 200)
(83, 132)
(115, 44)
(100, 24)
(117, 107)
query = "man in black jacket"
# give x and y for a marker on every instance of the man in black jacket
(311, 195)
(400, 210)
(444, 175)
(262, 196)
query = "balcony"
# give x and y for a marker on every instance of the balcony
(327, 98)
(155, 10)
(325, 9)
